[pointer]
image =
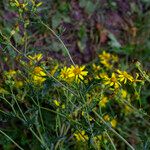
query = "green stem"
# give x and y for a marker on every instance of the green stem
(40, 113)
(11, 139)
(59, 40)
(18, 106)
(112, 129)
(111, 140)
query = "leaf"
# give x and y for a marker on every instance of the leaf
(88, 5)
(56, 20)
(113, 41)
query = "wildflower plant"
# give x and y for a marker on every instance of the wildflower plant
(53, 105)
(81, 109)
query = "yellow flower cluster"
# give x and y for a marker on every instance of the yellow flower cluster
(22, 5)
(108, 59)
(11, 75)
(113, 122)
(116, 79)
(97, 139)
(36, 57)
(38, 75)
(73, 73)
(58, 104)
(81, 136)
(124, 77)
(112, 81)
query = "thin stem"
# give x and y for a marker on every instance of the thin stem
(15, 49)
(53, 32)
(111, 140)
(40, 113)
(37, 136)
(112, 129)
(87, 115)
(4, 112)
(11, 139)
(14, 111)
(18, 106)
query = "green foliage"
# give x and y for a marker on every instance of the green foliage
(49, 103)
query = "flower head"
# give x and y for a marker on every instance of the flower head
(97, 139)
(77, 73)
(38, 75)
(10, 74)
(81, 136)
(57, 103)
(105, 59)
(113, 123)
(64, 74)
(123, 93)
(113, 81)
(35, 58)
(105, 56)
(18, 84)
(106, 117)
(124, 77)
(103, 101)
(96, 67)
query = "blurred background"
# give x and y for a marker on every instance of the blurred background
(85, 26)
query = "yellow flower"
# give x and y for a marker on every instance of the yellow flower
(39, 71)
(102, 76)
(103, 101)
(57, 103)
(97, 141)
(54, 70)
(96, 67)
(81, 136)
(105, 59)
(115, 58)
(21, 5)
(64, 74)
(63, 106)
(11, 73)
(106, 117)
(108, 59)
(124, 76)
(18, 84)
(35, 58)
(106, 64)
(77, 73)
(123, 93)
(105, 56)
(38, 75)
(112, 81)
(113, 123)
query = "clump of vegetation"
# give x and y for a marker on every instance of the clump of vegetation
(50, 104)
